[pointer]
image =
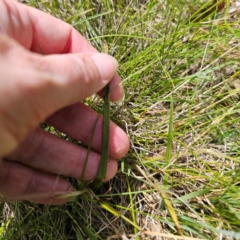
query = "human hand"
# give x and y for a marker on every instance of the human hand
(36, 88)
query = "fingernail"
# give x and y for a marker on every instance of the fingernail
(106, 64)
(121, 100)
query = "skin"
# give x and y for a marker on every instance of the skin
(36, 88)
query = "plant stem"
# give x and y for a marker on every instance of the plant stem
(106, 122)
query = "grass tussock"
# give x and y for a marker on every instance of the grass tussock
(181, 176)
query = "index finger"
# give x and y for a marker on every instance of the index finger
(40, 32)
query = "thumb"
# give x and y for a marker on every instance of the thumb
(35, 86)
(83, 74)
(73, 77)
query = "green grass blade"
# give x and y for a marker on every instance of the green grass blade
(89, 148)
(79, 235)
(168, 155)
(87, 231)
(106, 124)
(104, 157)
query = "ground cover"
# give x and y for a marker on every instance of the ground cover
(180, 68)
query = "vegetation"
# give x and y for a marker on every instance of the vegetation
(181, 176)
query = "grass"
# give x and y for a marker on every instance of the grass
(182, 114)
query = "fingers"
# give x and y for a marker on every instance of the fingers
(44, 34)
(116, 90)
(44, 151)
(78, 121)
(41, 85)
(40, 32)
(18, 182)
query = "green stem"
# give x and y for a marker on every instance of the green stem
(106, 122)
(104, 158)
(89, 149)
